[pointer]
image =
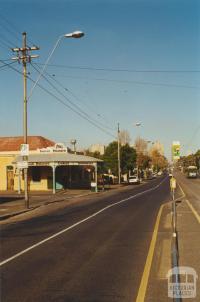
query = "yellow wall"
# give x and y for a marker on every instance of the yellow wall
(42, 185)
(7, 160)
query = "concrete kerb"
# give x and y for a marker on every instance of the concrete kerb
(59, 199)
(44, 203)
(55, 200)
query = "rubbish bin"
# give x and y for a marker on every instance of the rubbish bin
(93, 186)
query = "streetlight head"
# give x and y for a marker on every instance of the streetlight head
(76, 34)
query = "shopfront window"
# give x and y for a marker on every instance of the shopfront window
(36, 174)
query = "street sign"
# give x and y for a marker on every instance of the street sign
(24, 149)
(22, 165)
(173, 183)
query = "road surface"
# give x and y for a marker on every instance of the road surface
(191, 187)
(98, 256)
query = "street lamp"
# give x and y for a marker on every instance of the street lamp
(76, 34)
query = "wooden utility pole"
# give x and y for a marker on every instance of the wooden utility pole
(118, 153)
(24, 57)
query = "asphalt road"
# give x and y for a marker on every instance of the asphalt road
(191, 187)
(100, 259)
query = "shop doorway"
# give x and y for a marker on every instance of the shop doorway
(10, 178)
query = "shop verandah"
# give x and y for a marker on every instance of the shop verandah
(57, 171)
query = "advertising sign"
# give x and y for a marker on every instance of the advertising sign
(175, 151)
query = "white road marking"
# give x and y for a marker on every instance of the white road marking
(77, 223)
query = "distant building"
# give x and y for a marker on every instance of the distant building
(97, 148)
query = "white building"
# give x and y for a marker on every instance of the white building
(97, 148)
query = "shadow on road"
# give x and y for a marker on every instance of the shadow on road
(9, 199)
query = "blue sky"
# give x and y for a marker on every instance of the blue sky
(142, 59)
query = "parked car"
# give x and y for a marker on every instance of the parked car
(133, 180)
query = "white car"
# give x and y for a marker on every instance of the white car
(133, 180)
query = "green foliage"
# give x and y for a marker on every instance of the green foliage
(128, 158)
(127, 154)
(110, 157)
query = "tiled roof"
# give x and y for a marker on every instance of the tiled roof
(12, 143)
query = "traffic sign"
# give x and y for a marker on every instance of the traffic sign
(22, 165)
(24, 149)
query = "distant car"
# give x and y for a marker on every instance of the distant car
(133, 180)
(160, 173)
(154, 175)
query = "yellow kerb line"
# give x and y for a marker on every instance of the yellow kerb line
(147, 268)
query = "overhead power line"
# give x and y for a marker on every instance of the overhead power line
(11, 29)
(63, 103)
(122, 69)
(6, 64)
(79, 101)
(68, 100)
(190, 142)
(132, 82)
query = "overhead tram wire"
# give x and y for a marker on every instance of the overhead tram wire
(121, 70)
(135, 82)
(11, 28)
(63, 103)
(69, 101)
(189, 143)
(7, 64)
(109, 126)
(6, 41)
(4, 44)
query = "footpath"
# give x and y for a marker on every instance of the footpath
(188, 231)
(188, 256)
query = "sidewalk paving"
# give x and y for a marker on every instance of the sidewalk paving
(188, 229)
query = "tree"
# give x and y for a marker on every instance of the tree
(110, 157)
(124, 137)
(141, 145)
(128, 158)
(158, 160)
(143, 161)
(190, 160)
(197, 156)
(127, 154)
(95, 154)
